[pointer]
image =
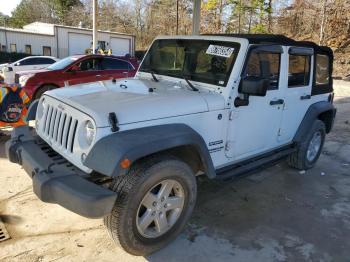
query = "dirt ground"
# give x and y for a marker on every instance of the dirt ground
(278, 214)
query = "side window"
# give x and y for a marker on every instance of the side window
(322, 69)
(299, 70)
(46, 61)
(29, 61)
(264, 65)
(115, 64)
(89, 65)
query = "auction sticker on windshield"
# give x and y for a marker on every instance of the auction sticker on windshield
(219, 50)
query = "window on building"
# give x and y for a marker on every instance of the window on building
(101, 45)
(3, 48)
(322, 70)
(299, 70)
(28, 49)
(13, 48)
(47, 50)
(110, 63)
(264, 65)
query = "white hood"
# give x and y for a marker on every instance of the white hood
(132, 101)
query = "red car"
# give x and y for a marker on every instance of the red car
(74, 70)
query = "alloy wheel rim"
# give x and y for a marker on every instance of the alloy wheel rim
(314, 146)
(160, 208)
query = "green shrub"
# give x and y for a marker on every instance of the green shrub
(6, 57)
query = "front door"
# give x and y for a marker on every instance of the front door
(89, 71)
(254, 128)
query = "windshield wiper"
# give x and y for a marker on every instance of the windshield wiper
(189, 83)
(152, 72)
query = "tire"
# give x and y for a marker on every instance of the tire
(124, 223)
(304, 158)
(42, 90)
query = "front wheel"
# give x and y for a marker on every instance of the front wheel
(155, 200)
(310, 149)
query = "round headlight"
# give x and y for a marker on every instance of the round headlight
(90, 132)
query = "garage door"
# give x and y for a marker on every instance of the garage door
(120, 46)
(78, 43)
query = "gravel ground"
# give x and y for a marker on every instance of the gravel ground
(278, 214)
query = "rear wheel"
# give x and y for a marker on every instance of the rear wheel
(155, 200)
(42, 90)
(310, 149)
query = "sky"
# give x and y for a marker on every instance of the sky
(7, 6)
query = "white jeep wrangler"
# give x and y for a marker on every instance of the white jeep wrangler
(217, 105)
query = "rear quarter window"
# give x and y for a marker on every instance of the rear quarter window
(322, 70)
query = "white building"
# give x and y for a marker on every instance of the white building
(60, 41)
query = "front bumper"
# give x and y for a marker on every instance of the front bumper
(54, 179)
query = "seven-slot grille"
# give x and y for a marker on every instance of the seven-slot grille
(59, 127)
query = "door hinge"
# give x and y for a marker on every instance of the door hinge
(233, 115)
(279, 132)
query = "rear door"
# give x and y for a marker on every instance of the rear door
(296, 88)
(116, 68)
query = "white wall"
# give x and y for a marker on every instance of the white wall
(59, 38)
(21, 39)
(63, 39)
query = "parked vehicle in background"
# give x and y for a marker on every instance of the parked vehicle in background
(216, 105)
(74, 70)
(9, 70)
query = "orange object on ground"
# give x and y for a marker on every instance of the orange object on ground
(13, 109)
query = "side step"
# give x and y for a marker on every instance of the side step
(255, 164)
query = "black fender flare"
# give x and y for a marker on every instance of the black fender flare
(31, 114)
(311, 115)
(109, 151)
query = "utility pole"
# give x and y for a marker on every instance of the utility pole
(177, 17)
(94, 25)
(196, 17)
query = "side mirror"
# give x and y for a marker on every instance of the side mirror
(74, 68)
(17, 64)
(254, 86)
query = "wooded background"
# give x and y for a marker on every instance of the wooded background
(326, 22)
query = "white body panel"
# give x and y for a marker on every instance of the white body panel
(231, 133)
(9, 76)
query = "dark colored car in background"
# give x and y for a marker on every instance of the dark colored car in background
(74, 70)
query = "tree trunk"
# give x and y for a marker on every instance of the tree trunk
(323, 19)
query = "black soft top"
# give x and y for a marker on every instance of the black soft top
(279, 39)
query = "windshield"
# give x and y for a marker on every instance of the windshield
(62, 63)
(198, 60)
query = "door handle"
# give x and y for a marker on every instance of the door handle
(98, 75)
(305, 97)
(277, 102)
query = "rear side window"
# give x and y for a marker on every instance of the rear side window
(45, 61)
(264, 65)
(322, 70)
(299, 70)
(115, 64)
